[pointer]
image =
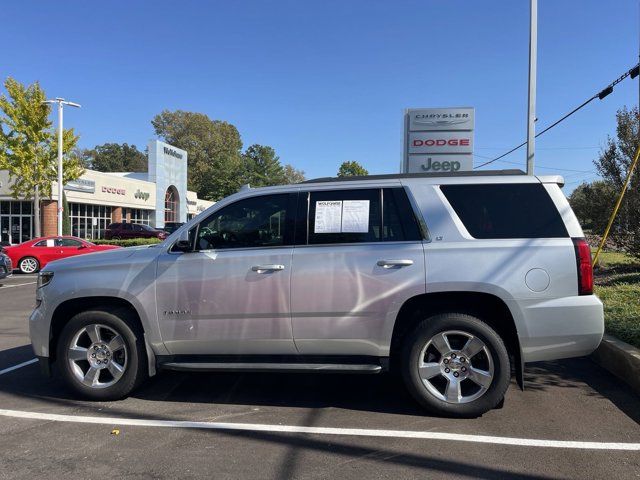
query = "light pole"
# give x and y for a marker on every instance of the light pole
(61, 102)
(531, 110)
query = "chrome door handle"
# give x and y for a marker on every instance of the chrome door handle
(394, 263)
(267, 268)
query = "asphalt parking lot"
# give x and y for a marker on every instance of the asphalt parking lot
(234, 426)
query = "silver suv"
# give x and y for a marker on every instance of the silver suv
(453, 281)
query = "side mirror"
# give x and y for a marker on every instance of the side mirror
(81, 247)
(183, 244)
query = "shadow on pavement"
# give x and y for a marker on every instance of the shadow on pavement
(383, 393)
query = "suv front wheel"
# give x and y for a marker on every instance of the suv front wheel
(456, 365)
(101, 354)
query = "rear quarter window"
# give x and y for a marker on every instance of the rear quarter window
(506, 210)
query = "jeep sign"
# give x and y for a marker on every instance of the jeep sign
(438, 140)
(439, 163)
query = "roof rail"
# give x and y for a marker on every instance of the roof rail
(391, 176)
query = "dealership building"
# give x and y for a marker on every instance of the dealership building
(97, 199)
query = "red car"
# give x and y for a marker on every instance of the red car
(32, 255)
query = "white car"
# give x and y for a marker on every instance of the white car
(450, 280)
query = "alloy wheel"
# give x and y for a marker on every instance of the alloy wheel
(456, 366)
(28, 265)
(97, 356)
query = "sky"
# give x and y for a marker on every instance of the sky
(327, 81)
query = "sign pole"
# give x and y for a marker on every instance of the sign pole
(531, 114)
(60, 186)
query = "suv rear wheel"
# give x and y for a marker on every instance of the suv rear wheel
(101, 355)
(456, 365)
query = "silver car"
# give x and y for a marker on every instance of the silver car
(451, 281)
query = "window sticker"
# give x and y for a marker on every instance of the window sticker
(328, 216)
(51, 242)
(355, 216)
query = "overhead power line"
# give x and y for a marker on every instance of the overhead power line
(633, 73)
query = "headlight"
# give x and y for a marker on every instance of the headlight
(44, 278)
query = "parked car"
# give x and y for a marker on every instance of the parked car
(6, 265)
(117, 231)
(35, 254)
(449, 280)
(171, 227)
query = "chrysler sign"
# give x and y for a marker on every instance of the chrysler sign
(441, 119)
(438, 140)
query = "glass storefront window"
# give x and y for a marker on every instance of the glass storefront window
(89, 221)
(16, 221)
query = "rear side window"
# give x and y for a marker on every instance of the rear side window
(358, 216)
(345, 216)
(506, 210)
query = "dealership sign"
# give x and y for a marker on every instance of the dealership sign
(439, 163)
(81, 185)
(438, 140)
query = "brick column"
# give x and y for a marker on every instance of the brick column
(49, 215)
(116, 214)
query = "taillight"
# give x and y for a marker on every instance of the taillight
(585, 271)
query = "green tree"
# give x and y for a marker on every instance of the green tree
(293, 175)
(29, 145)
(66, 218)
(262, 167)
(213, 147)
(592, 204)
(115, 157)
(613, 165)
(351, 169)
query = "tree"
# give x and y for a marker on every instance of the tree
(262, 167)
(213, 147)
(592, 203)
(115, 157)
(29, 145)
(293, 175)
(350, 169)
(613, 165)
(66, 218)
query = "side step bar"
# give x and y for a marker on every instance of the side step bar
(269, 367)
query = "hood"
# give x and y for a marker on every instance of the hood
(105, 257)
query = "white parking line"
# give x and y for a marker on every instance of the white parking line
(20, 365)
(358, 432)
(17, 285)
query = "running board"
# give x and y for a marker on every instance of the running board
(269, 367)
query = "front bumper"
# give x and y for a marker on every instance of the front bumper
(561, 328)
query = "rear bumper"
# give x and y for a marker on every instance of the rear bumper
(561, 328)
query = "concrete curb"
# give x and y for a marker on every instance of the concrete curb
(621, 359)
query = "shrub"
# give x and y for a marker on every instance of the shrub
(128, 242)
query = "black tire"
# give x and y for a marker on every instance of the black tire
(28, 259)
(457, 327)
(135, 369)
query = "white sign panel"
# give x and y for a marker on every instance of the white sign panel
(439, 163)
(438, 131)
(328, 217)
(355, 216)
(441, 119)
(440, 142)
